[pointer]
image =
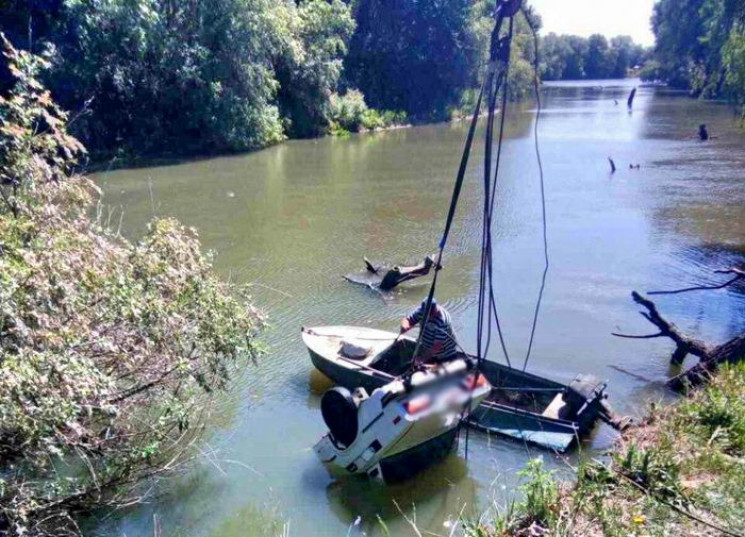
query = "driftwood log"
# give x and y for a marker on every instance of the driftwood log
(387, 278)
(710, 357)
(630, 101)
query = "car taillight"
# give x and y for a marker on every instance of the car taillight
(418, 404)
(471, 382)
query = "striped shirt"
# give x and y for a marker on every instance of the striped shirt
(438, 329)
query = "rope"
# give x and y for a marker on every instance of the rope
(546, 265)
(487, 307)
(492, 299)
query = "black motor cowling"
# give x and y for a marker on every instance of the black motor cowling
(340, 414)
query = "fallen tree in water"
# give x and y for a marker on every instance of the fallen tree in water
(109, 350)
(385, 278)
(710, 357)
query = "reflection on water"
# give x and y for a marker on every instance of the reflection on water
(426, 499)
(293, 219)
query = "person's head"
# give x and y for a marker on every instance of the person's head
(434, 310)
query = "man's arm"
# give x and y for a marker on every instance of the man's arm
(413, 318)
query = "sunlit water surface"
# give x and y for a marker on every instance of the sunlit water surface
(291, 220)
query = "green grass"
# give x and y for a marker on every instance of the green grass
(686, 461)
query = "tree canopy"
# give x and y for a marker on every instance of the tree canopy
(413, 56)
(700, 46)
(570, 57)
(205, 75)
(151, 77)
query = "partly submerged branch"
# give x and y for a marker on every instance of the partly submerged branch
(739, 275)
(685, 344)
(711, 357)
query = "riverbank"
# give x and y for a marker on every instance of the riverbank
(681, 472)
(101, 163)
(111, 351)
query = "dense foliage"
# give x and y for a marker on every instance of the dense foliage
(569, 57)
(206, 75)
(420, 57)
(413, 56)
(108, 349)
(165, 76)
(350, 113)
(701, 46)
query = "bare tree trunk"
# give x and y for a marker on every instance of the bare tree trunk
(710, 357)
(730, 352)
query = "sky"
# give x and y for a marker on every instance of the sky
(607, 17)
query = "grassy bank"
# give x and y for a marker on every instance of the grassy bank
(680, 473)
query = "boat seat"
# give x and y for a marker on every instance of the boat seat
(354, 352)
(558, 409)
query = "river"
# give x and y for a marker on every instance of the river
(292, 219)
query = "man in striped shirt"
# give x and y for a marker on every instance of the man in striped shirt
(438, 339)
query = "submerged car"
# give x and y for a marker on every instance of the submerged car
(401, 427)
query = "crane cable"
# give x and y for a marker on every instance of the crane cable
(539, 160)
(488, 314)
(487, 307)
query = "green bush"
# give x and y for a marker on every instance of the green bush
(109, 350)
(652, 71)
(350, 113)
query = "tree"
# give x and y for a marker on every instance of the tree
(596, 60)
(412, 55)
(199, 76)
(696, 44)
(734, 65)
(623, 50)
(575, 65)
(310, 64)
(555, 52)
(109, 350)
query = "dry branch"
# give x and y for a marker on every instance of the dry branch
(710, 357)
(684, 345)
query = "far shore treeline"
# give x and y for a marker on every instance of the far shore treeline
(152, 78)
(570, 57)
(155, 77)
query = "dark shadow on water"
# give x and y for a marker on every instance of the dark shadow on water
(358, 496)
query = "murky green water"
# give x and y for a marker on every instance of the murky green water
(293, 219)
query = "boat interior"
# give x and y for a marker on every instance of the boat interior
(511, 387)
(396, 360)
